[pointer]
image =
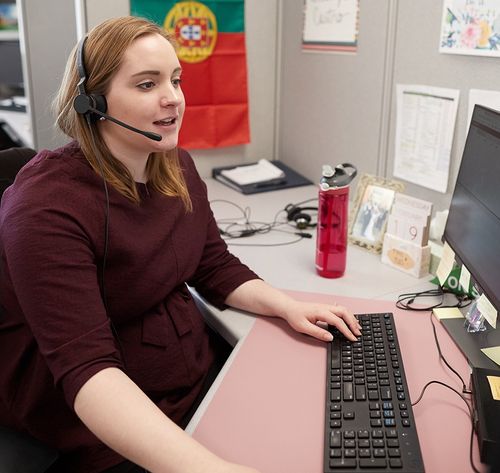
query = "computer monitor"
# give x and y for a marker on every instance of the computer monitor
(11, 71)
(473, 225)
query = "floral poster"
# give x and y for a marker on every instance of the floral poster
(471, 27)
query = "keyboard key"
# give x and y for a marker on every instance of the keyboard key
(392, 443)
(360, 393)
(335, 357)
(350, 453)
(363, 434)
(348, 392)
(385, 393)
(372, 463)
(342, 463)
(334, 395)
(335, 438)
(395, 463)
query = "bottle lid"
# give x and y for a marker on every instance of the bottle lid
(327, 171)
(340, 176)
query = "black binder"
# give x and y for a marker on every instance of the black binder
(291, 179)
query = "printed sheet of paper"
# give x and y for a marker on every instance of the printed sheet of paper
(331, 25)
(424, 134)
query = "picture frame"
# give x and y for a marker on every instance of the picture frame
(370, 211)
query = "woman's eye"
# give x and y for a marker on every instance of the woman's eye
(177, 82)
(146, 85)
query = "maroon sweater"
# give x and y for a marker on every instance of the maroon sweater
(54, 330)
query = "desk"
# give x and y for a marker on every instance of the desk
(266, 408)
(20, 123)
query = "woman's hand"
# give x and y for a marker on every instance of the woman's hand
(304, 317)
(260, 298)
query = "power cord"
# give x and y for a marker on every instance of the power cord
(233, 228)
(441, 356)
(471, 415)
(406, 301)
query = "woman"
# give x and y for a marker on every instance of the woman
(103, 352)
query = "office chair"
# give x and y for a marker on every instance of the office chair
(11, 161)
(20, 453)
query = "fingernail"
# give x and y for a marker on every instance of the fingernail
(327, 337)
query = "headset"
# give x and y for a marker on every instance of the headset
(298, 215)
(93, 106)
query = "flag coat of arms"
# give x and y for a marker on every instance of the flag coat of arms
(210, 37)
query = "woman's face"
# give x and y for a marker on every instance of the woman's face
(145, 93)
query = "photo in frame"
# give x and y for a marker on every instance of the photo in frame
(370, 212)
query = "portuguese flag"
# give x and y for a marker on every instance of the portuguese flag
(211, 47)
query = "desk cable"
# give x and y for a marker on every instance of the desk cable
(404, 302)
(234, 228)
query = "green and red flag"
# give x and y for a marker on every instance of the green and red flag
(211, 47)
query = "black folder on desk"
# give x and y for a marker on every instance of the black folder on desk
(291, 179)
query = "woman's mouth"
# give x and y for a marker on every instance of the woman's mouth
(165, 121)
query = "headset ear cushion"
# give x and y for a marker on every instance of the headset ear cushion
(302, 220)
(100, 103)
(291, 212)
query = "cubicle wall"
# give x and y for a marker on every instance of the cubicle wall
(339, 107)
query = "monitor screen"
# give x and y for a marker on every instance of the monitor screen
(11, 71)
(473, 225)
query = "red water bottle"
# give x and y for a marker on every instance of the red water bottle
(333, 217)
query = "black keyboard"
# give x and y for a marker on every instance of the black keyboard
(369, 423)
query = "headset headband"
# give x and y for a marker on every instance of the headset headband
(81, 66)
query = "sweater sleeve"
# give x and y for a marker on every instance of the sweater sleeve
(51, 262)
(219, 272)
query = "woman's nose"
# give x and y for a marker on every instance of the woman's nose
(172, 96)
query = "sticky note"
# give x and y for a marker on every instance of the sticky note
(493, 353)
(487, 310)
(446, 263)
(464, 279)
(447, 313)
(494, 386)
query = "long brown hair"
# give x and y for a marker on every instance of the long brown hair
(104, 50)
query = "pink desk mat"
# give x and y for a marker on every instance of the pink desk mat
(269, 410)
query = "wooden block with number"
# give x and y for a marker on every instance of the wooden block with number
(408, 229)
(406, 256)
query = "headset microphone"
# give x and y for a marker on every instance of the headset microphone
(82, 104)
(93, 105)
